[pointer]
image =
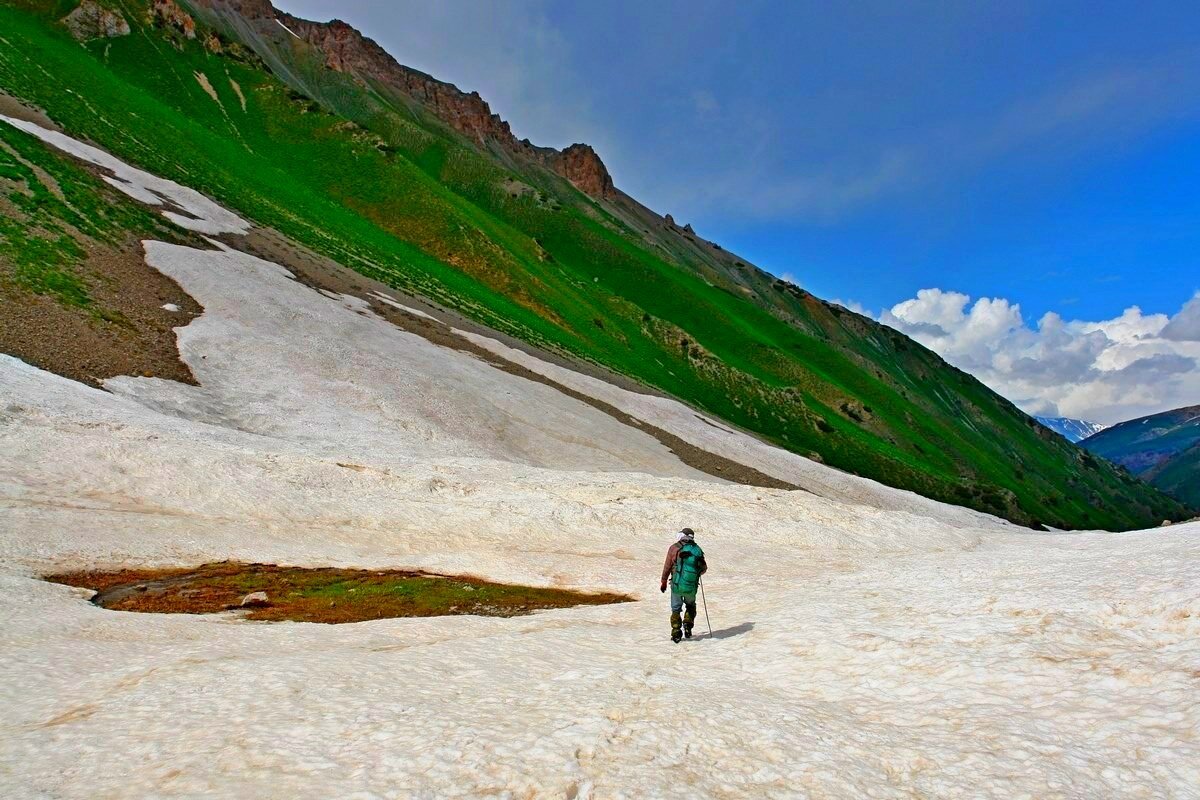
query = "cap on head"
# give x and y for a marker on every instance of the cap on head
(687, 533)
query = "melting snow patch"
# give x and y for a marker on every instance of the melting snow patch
(204, 216)
(416, 312)
(170, 307)
(286, 28)
(680, 420)
(202, 79)
(238, 91)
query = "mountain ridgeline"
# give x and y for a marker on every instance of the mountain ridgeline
(1073, 430)
(1163, 449)
(315, 131)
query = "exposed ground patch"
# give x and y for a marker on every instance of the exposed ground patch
(76, 295)
(133, 334)
(326, 594)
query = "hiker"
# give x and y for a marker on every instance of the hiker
(683, 568)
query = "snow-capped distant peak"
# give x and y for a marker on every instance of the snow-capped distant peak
(1074, 430)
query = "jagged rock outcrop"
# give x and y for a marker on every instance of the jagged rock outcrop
(169, 14)
(346, 50)
(90, 20)
(250, 9)
(581, 166)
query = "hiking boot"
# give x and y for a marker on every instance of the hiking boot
(687, 632)
(675, 637)
(676, 627)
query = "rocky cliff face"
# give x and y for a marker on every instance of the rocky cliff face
(168, 13)
(581, 166)
(348, 51)
(250, 9)
(90, 20)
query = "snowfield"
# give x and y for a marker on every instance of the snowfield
(868, 642)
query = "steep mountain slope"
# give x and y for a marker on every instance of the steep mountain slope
(304, 128)
(1163, 449)
(1073, 430)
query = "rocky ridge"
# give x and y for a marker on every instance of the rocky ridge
(90, 20)
(346, 50)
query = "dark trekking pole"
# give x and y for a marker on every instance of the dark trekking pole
(705, 602)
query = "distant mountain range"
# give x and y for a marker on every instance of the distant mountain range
(1074, 430)
(1163, 449)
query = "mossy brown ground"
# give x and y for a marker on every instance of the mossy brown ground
(325, 594)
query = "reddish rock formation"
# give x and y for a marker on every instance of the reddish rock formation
(348, 51)
(90, 20)
(167, 12)
(581, 166)
(250, 9)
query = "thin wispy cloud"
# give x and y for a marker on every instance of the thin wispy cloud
(1067, 118)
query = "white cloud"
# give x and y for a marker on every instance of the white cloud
(1185, 326)
(853, 305)
(1105, 371)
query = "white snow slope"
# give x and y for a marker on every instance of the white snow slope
(868, 643)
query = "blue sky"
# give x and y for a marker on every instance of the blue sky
(1046, 154)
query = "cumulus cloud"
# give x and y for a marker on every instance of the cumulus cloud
(853, 305)
(1104, 371)
(1185, 327)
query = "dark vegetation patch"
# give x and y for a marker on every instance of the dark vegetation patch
(323, 594)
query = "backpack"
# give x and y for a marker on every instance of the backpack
(685, 575)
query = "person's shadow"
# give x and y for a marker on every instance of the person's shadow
(725, 633)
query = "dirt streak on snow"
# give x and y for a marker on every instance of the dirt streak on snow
(711, 435)
(866, 644)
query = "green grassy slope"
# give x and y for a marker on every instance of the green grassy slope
(51, 213)
(361, 175)
(1163, 449)
(1179, 476)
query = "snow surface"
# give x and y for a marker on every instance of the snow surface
(286, 28)
(201, 214)
(716, 437)
(1073, 430)
(867, 644)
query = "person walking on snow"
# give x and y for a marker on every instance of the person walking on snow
(683, 568)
